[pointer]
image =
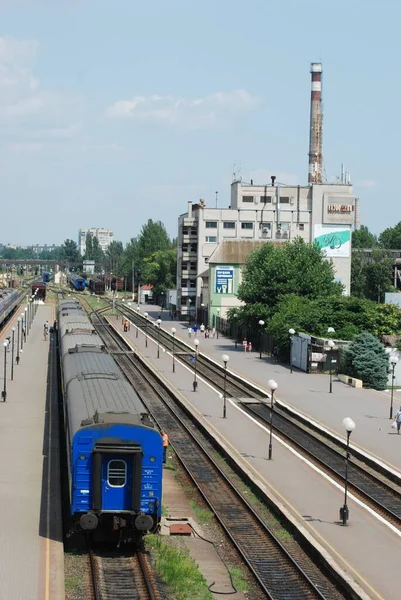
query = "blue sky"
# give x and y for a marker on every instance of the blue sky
(112, 113)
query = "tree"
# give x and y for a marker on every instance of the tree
(97, 254)
(292, 268)
(160, 270)
(366, 359)
(88, 247)
(390, 238)
(153, 237)
(371, 275)
(113, 257)
(363, 238)
(69, 251)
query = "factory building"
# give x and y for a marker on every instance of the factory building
(270, 212)
(104, 237)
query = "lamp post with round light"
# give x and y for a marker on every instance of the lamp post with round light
(12, 353)
(217, 323)
(189, 311)
(146, 329)
(22, 330)
(261, 323)
(393, 361)
(173, 331)
(272, 385)
(18, 346)
(291, 331)
(349, 427)
(26, 325)
(4, 392)
(225, 358)
(138, 308)
(158, 337)
(331, 345)
(235, 317)
(195, 382)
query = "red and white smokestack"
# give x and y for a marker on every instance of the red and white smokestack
(316, 126)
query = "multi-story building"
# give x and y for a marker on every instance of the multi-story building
(320, 213)
(104, 237)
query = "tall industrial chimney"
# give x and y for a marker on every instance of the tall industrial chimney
(316, 126)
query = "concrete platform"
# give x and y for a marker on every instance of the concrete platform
(31, 553)
(367, 552)
(203, 553)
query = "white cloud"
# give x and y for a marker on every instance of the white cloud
(173, 110)
(17, 51)
(25, 147)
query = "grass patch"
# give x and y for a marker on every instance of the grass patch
(164, 511)
(178, 570)
(203, 515)
(238, 578)
(72, 583)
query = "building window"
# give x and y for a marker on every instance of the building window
(284, 226)
(284, 200)
(265, 225)
(247, 198)
(117, 473)
(301, 226)
(266, 199)
(211, 238)
(211, 224)
(228, 225)
(246, 225)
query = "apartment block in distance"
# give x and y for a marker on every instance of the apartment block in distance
(104, 237)
(318, 213)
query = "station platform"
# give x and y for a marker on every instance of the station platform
(31, 553)
(367, 551)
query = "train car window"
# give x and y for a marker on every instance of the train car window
(117, 473)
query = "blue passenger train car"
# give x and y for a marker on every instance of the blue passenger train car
(114, 451)
(77, 282)
(8, 302)
(47, 277)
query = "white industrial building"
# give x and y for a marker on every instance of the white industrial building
(104, 237)
(321, 213)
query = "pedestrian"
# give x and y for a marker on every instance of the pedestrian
(245, 345)
(189, 332)
(202, 329)
(126, 324)
(45, 332)
(47, 326)
(55, 326)
(397, 419)
(165, 446)
(195, 329)
(249, 346)
(159, 315)
(214, 332)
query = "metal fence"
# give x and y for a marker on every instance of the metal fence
(261, 341)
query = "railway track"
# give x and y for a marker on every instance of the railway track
(378, 488)
(283, 571)
(117, 576)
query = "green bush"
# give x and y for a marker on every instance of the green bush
(366, 359)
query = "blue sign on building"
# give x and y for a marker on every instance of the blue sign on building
(224, 280)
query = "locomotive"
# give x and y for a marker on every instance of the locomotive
(114, 451)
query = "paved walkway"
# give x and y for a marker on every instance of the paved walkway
(309, 394)
(31, 553)
(367, 550)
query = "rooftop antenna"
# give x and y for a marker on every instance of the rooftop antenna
(217, 193)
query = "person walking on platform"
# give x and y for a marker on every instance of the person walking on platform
(397, 419)
(245, 345)
(189, 332)
(165, 446)
(195, 330)
(249, 346)
(202, 329)
(45, 332)
(126, 325)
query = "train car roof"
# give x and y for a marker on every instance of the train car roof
(94, 384)
(75, 324)
(71, 341)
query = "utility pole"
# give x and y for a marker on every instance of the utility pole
(133, 279)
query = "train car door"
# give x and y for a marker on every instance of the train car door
(117, 482)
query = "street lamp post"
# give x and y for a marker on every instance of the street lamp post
(22, 330)
(349, 427)
(272, 385)
(26, 313)
(146, 329)
(331, 346)
(291, 331)
(137, 327)
(158, 337)
(217, 323)
(18, 346)
(225, 358)
(12, 353)
(189, 311)
(4, 392)
(173, 331)
(393, 361)
(261, 323)
(195, 383)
